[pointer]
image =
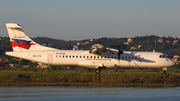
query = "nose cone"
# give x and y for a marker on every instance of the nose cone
(171, 62)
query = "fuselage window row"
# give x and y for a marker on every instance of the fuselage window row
(123, 57)
(69, 56)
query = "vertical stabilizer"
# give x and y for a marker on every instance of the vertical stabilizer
(21, 42)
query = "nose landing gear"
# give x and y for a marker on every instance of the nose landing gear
(164, 70)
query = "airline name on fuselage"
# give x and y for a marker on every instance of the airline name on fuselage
(61, 53)
(100, 59)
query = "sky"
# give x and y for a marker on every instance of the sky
(89, 19)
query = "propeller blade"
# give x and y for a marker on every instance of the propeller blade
(119, 50)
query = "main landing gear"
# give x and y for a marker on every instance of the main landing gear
(98, 71)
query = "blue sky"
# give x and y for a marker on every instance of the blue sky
(86, 19)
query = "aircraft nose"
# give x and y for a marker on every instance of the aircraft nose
(172, 63)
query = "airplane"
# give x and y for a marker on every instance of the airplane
(97, 57)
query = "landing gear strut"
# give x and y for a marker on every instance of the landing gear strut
(97, 71)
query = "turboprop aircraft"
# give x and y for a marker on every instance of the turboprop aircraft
(97, 57)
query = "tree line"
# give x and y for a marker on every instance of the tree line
(148, 43)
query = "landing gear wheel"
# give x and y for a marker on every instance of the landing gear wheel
(98, 71)
(164, 72)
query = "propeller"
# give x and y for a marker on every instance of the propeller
(109, 52)
(119, 50)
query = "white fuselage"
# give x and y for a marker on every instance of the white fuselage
(129, 59)
(97, 57)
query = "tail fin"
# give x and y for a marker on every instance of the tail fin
(21, 42)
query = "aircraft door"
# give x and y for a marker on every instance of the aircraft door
(133, 61)
(49, 58)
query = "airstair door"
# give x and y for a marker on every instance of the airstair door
(49, 58)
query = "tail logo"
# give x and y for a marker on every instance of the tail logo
(21, 43)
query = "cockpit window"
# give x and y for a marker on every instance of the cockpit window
(162, 56)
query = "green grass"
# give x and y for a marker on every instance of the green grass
(112, 77)
(109, 76)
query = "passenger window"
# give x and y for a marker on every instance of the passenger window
(59, 55)
(83, 56)
(56, 55)
(94, 56)
(73, 56)
(104, 56)
(129, 57)
(66, 56)
(132, 57)
(87, 56)
(79, 56)
(76, 56)
(91, 56)
(125, 57)
(63, 56)
(69, 56)
(98, 57)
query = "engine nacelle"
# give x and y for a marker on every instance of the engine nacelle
(97, 49)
